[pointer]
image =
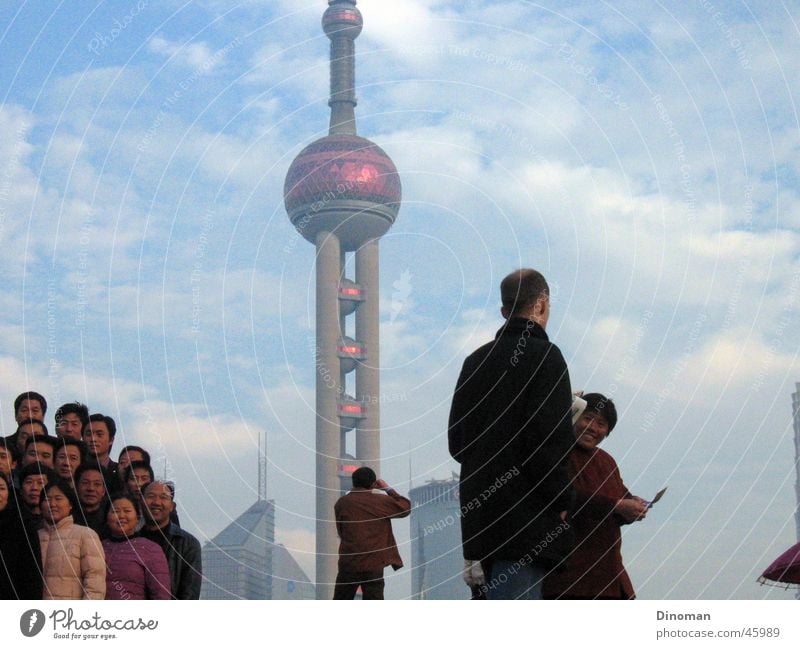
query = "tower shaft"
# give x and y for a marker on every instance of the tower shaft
(368, 441)
(329, 389)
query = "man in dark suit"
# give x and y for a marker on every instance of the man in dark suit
(98, 435)
(182, 549)
(511, 431)
(363, 521)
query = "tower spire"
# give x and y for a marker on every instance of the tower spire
(262, 468)
(342, 23)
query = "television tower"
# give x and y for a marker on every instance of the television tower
(342, 193)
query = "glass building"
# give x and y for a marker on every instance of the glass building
(436, 557)
(243, 561)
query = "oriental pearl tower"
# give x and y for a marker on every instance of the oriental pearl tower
(342, 193)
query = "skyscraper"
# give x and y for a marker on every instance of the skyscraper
(342, 193)
(243, 560)
(289, 581)
(436, 557)
(237, 563)
(796, 419)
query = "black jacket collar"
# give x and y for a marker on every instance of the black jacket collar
(518, 326)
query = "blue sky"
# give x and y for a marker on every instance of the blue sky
(643, 158)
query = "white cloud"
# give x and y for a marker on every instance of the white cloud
(409, 27)
(740, 357)
(197, 56)
(511, 154)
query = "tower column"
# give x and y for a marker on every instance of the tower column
(368, 443)
(343, 96)
(328, 391)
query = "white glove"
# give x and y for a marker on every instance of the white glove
(578, 406)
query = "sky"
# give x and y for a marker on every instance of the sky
(643, 156)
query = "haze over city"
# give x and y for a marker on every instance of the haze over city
(644, 158)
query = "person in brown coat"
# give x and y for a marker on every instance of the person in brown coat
(363, 521)
(603, 503)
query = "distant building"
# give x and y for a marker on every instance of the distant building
(243, 561)
(796, 417)
(237, 563)
(436, 557)
(289, 581)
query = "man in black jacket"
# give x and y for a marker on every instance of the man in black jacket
(182, 549)
(93, 486)
(511, 431)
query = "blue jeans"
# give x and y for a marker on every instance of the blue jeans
(510, 580)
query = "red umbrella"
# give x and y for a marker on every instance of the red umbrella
(785, 569)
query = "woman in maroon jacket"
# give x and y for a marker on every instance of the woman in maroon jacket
(137, 568)
(603, 503)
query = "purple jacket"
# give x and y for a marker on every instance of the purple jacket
(137, 569)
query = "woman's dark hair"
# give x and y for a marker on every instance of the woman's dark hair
(124, 495)
(602, 405)
(65, 488)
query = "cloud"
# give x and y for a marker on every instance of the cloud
(634, 156)
(197, 56)
(407, 28)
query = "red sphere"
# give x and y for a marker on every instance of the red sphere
(343, 183)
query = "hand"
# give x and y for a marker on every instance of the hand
(563, 515)
(631, 509)
(473, 573)
(381, 484)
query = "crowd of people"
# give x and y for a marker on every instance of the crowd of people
(541, 504)
(75, 524)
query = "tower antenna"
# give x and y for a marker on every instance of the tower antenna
(262, 468)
